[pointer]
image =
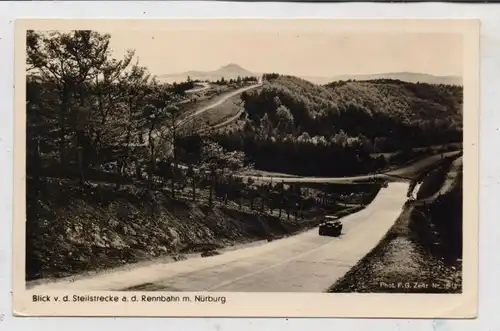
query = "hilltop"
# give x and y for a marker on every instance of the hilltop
(229, 71)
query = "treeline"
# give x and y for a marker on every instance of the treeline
(181, 88)
(238, 80)
(305, 156)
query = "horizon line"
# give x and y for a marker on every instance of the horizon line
(306, 75)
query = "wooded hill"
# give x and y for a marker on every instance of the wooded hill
(410, 114)
(290, 121)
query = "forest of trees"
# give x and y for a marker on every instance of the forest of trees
(410, 114)
(91, 116)
(298, 127)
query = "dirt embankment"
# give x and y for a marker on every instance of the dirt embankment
(73, 231)
(422, 252)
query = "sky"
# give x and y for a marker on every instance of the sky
(300, 53)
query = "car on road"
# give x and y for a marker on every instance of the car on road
(331, 226)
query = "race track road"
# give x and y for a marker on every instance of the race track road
(219, 102)
(200, 111)
(393, 175)
(305, 262)
(204, 86)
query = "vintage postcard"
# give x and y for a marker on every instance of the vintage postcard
(246, 167)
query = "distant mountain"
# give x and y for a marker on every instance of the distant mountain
(403, 76)
(233, 70)
(230, 71)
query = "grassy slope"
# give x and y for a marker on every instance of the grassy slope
(208, 97)
(232, 107)
(421, 248)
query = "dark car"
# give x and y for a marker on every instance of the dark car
(331, 226)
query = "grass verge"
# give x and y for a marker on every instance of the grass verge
(231, 108)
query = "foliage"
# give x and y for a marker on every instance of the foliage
(215, 158)
(298, 127)
(87, 109)
(411, 114)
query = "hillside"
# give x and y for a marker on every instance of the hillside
(230, 71)
(73, 229)
(294, 126)
(417, 113)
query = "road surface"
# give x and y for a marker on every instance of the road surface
(219, 102)
(204, 86)
(305, 262)
(204, 109)
(397, 174)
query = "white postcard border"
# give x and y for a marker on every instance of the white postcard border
(270, 304)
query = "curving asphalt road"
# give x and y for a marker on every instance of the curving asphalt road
(397, 174)
(206, 108)
(219, 102)
(305, 262)
(204, 86)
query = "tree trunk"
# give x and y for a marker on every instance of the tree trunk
(63, 109)
(138, 172)
(194, 187)
(213, 182)
(150, 173)
(282, 197)
(210, 197)
(172, 181)
(151, 166)
(80, 152)
(174, 157)
(121, 167)
(36, 170)
(80, 165)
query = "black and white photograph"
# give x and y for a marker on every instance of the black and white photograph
(215, 159)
